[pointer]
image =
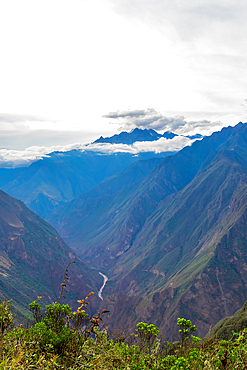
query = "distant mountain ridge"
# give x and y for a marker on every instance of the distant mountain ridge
(140, 135)
(134, 136)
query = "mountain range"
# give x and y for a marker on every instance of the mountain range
(138, 134)
(60, 177)
(135, 135)
(169, 231)
(174, 242)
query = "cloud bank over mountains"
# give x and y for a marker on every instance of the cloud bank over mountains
(18, 131)
(151, 119)
(14, 158)
(161, 145)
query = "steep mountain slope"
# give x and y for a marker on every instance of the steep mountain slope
(174, 243)
(120, 180)
(195, 212)
(224, 329)
(33, 259)
(110, 185)
(190, 258)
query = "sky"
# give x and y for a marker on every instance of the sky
(71, 71)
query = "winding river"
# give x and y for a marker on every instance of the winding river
(101, 289)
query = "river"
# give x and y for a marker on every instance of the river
(101, 289)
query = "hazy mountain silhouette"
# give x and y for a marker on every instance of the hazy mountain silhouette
(135, 135)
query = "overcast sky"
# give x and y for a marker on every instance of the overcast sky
(71, 71)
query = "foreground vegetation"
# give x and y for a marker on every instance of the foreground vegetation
(57, 338)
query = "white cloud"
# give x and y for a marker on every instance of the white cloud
(19, 118)
(151, 119)
(19, 137)
(14, 158)
(161, 145)
(244, 105)
(192, 20)
(164, 145)
(97, 56)
(124, 114)
(208, 37)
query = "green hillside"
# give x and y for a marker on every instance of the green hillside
(224, 329)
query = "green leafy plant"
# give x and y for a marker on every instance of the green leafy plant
(53, 344)
(180, 364)
(185, 330)
(36, 310)
(51, 330)
(6, 317)
(147, 334)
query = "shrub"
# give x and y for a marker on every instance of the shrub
(147, 335)
(6, 317)
(185, 331)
